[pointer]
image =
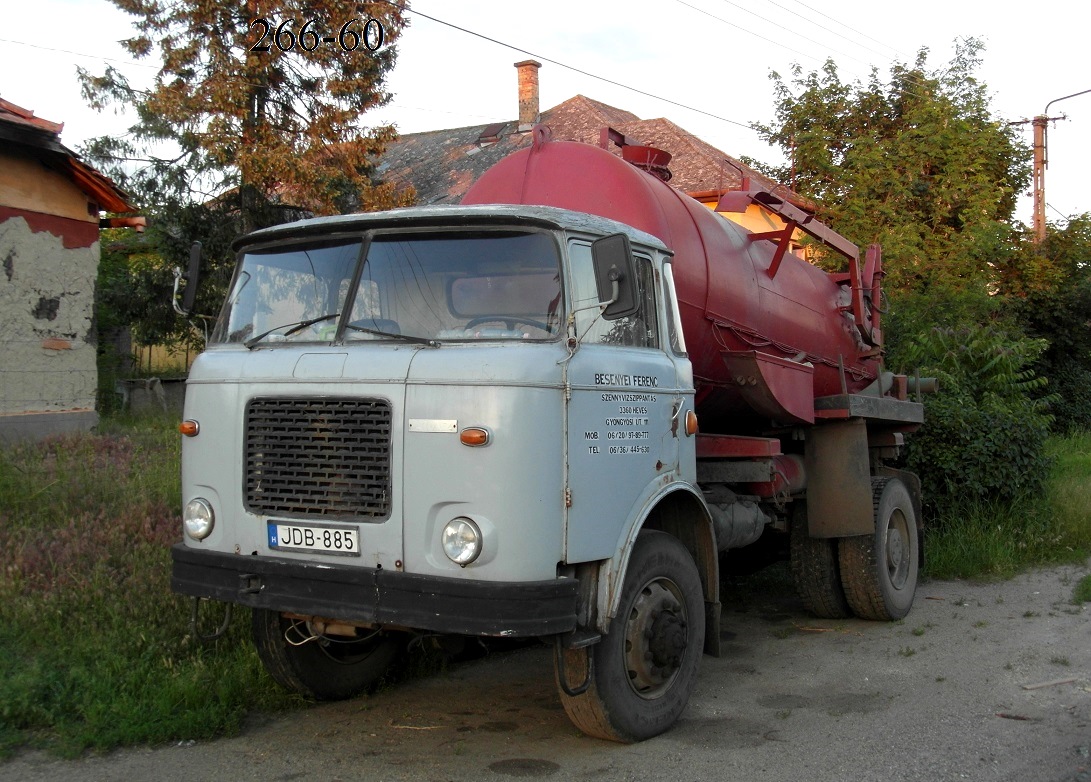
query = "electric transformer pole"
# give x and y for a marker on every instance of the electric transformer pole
(1041, 161)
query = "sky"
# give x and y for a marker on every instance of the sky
(703, 64)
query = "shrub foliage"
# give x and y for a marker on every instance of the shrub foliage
(985, 433)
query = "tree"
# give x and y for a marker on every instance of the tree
(281, 124)
(917, 163)
(1049, 287)
(230, 138)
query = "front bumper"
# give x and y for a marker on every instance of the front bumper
(368, 595)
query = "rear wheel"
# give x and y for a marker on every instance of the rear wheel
(879, 571)
(326, 668)
(645, 668)
(815, 569)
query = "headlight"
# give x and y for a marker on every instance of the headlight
(198, 518)
(461, 541)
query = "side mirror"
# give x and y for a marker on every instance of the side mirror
(615, 276)
(191, 277)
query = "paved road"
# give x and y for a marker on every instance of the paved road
(941, 696)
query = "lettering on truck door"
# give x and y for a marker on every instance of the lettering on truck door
(624, 392)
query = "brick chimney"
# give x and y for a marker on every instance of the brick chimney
(528, 93)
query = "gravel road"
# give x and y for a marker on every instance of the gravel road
(980, 682)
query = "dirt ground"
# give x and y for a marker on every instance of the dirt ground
(979, 682)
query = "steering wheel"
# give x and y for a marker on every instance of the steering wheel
(507, 320)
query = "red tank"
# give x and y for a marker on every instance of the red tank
(762, 335)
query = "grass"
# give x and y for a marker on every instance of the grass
(96, 650)
(1082, 593)
(994, 541)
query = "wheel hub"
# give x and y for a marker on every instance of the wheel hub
(655, 638)
(897, 551)
(894, 549)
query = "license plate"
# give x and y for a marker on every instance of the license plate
(321, 538)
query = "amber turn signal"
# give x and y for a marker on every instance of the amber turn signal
(691, 423)
(189, 428)
(474, 436)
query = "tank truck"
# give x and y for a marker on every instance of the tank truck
(543, 413)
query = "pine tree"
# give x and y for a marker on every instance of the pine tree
(282, 125)
(230, 137)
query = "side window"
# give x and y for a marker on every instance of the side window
(675, 336)
(640, 330)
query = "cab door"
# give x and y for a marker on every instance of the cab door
(624, 409)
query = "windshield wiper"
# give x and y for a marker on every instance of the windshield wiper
(292, 328)
(407, 337)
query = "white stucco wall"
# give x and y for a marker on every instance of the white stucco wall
(47, 350)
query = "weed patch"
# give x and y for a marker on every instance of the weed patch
(1082, 593)
(97, 651)
(996, 540)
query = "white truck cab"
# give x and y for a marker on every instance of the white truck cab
(470, 420)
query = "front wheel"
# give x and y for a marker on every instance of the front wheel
(326, 668)
(645, 668)
(879, 571)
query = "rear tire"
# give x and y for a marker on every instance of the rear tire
(879, 571)
(645, 668)
(324, 668)
(815, 569)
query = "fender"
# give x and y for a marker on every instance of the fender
(679, 509)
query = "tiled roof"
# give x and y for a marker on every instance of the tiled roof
(442, 164)
(19, 127)
(17, 115)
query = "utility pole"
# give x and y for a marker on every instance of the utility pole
(1041, 162)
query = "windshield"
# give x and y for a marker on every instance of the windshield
(448, 286)
(280, 287)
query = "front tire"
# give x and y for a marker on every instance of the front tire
(879, 571)
(645, 668)
(324, 668)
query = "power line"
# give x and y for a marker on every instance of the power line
(772, 22)
(785, 46)
(79, 54)
(828, 30)
(749, 32)
(847, 27)
(572, 67)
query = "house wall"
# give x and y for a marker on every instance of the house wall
(49, 254)
(760, 220)
(27, 184)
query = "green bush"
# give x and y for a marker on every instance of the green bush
(1070, 381)
(910, 315)
(985, 431)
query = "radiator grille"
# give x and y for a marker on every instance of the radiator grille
(318, 458)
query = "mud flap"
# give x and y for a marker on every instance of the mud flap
(839, 480)
(712, 628)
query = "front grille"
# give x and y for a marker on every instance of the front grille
(324, 458)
